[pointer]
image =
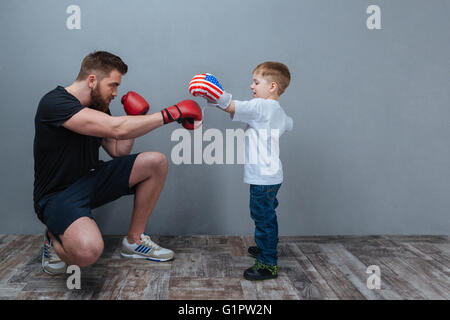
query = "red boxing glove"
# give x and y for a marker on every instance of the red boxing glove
(134, 104)
(184, 112)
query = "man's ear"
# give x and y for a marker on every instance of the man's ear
(92, 81)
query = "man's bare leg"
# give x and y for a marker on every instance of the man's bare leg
(82, 240)
(82, 243)
(148, 175)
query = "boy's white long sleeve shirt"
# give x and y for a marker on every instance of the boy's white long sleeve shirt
(266, 122)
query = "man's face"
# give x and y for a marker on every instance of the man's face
(106, 90)
(260, 86)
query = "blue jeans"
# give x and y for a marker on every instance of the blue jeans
(263, 202)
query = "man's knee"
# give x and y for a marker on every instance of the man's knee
(148, 164)
(155, 161)
(82, 242)
(161, 161)
(87, 252)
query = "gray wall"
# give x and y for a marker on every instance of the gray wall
(369, 153)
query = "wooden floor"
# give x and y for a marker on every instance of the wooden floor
(211, 267)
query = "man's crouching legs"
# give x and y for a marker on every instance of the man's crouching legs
(82, 243)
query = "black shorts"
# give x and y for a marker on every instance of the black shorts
(107, 182)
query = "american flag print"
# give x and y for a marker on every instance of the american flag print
(205, 85)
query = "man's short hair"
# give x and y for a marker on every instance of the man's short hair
(101, 63)
(276, 72)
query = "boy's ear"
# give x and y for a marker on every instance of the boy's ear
(273, 86)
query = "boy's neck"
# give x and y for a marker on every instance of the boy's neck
(274, 97)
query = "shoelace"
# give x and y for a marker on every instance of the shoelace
(145, 239)
(52, 256)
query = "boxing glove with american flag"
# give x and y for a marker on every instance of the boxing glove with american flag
(207, 86)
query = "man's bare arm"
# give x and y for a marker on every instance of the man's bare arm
(109, 145)
(117, 148)
(99, 124)
(124, 147)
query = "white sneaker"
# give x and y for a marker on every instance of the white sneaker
(145, 248)
(51, 263)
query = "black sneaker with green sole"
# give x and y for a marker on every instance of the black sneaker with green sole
(261, 271)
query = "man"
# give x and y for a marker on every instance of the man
(71, 124)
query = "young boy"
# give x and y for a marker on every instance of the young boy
(266, 122)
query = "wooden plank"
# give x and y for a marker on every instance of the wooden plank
(135, 263)
(187, 288)
(377, 248)
(10, 291)
(291, 269)
(237, 246)
(335, 279)
(285, 250)
(435, 251)
(355, 272)
(217, 241)
(418, 238)
(29, 270)
(423, 286)
(305, 286)
(37, 295)
(92, 279)
(5, 240)
(326, 239)
(78, 294)
(47, 283)
(182, 244)
(324, 290)
(239, 265)
(374, 254)
(144, 284)
(112, 286)
(157, 286)
(196, 241)
(443, 248)
(217, 265)
(280, 288)
(10, 259)
(17, 244)
(216, 245)
(188, 265)
(438, 264)
(249, 290)
(431, 281)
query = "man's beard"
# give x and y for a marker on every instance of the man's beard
(98, 102)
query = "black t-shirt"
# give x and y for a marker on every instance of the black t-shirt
(61, 156)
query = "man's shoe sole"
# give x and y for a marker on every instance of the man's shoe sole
(138, 256)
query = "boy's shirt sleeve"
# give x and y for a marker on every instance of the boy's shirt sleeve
(252, 110)
(289, 124)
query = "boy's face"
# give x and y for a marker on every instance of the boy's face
(261, 87)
